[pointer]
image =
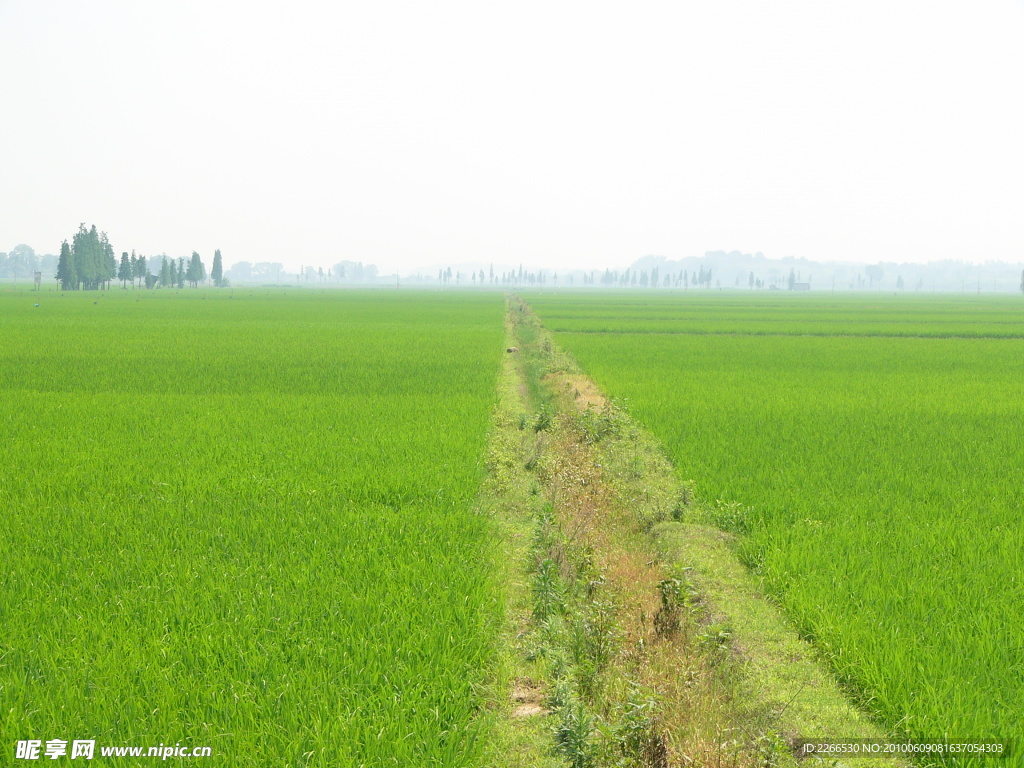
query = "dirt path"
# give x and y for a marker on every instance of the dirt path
(638, 638)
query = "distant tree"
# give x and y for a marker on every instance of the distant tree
(217, 272)
(792, 279)
(66, 272)
(22, 261)
(704, 278)
(196, 272)
(172, 274)
(165, 272)
(86, 249)
(92, 264)
(124, 272)
(109, 261)
(750, 282)
(181, 271)
(899, 282)
(141, 268)
(875, 273)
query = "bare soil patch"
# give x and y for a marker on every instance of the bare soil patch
(582, 390)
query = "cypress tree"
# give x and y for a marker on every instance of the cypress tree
(217, 273)
(124, 272)
(143, 270)
(196, 271)
(66, 274)
(108, 262)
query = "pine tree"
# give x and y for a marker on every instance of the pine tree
(137, 268)
(124, 272)
(181, 272)
(142, 269)
(84, 251)
(89, 262)
(66, 274)
(196, 271)
(165, 272)
(217, 273)
(108, 262)
(173, 273)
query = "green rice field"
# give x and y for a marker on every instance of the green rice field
(246, 521)
(870, 449)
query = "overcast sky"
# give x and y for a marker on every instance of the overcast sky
(549, 133)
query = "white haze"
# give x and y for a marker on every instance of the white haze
(411, 134)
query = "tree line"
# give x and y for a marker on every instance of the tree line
(88, 263)
(628, 278)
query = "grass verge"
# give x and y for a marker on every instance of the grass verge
(636, 638)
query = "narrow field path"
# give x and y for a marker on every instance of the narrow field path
(634, 635)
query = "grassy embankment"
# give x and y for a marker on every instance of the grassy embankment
(637, 639)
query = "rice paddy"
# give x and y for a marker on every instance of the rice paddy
(870, 450)
(247, 522)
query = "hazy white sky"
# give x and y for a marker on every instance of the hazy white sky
(549, 133)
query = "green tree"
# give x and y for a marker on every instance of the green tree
(181, 272)
(792, 279)
(143, 271)
(141, 268)
(217, 273)
(108, 262)
(66, 275)
(196, 272)
(173, 273)
(124, 272)
(85, 245)
(165, 271)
